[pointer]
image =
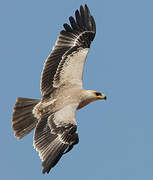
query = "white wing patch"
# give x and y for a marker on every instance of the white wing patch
(66, 115)
(72, 69)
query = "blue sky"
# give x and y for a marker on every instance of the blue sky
(116, 136)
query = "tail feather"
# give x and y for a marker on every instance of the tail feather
(23, 120)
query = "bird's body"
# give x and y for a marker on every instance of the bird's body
(53, 116)
(52, 104)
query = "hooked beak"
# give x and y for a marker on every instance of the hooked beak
(102, 96)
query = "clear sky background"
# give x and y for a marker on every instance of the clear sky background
(116, 136)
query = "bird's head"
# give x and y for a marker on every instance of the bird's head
(89, 96)
(95, 95)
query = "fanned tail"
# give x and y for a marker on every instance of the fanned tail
(23, 120)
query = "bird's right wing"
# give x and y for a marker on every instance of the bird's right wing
(55, 136)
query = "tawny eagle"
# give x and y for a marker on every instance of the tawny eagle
(53, 116)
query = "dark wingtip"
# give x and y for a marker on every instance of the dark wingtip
(86, 6)
(81, 7)
(44, 171)
(83, 20)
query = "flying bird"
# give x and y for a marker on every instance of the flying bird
(53, 116)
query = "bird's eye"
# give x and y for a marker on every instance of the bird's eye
(98, 94)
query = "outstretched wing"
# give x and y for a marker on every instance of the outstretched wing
(66, 61)
(55, 136)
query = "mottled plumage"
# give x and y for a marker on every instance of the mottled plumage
(53, 116)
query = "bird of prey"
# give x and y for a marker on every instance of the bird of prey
(53, 116)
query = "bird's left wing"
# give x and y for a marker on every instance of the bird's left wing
(56, 135)
(66, 61)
